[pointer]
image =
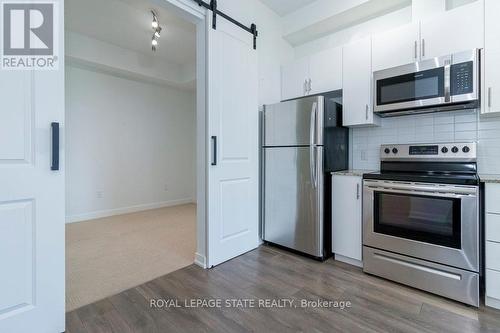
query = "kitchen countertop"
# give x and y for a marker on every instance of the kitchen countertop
(352, 172)
(490, 178)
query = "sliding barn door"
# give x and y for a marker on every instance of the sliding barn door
(31, 198)
(233, 218)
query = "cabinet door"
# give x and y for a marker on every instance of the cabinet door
(491, 55)
(346, 216)
(457, 30)
(293, 79)
(326, 71)
(396, 47)
(357, 83)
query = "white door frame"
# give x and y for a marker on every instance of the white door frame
(190, 11)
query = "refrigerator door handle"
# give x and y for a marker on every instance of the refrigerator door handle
(312, 152)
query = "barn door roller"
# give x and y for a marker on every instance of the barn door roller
(213, 7)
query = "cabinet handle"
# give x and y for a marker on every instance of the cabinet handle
(310, 86)
(305, 87)
(423, 47)
(489, 97)
(416, 46)
(366, 111)
(357, 192)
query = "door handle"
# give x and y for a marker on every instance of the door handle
(366, 111)
(423, 47)
(214, 155)
(489, 97)
(55, 146)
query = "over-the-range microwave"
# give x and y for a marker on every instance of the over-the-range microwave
(444, 83)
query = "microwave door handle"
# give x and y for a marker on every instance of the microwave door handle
(447, 83)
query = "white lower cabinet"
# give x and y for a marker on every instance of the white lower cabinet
(492, 216)
(346, 219)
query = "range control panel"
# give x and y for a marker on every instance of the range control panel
(441, 151)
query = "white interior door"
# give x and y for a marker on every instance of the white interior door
(31, 200)
(233, 127)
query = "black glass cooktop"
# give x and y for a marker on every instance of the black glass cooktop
(425, 172)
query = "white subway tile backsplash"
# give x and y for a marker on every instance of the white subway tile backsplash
(466, 126)
(453, 126)
(470, 117)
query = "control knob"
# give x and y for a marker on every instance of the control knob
(454, 149)
(444, 150)
(394, 150)
(387, 150)
(466, 149)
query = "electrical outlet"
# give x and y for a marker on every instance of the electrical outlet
(99, 194)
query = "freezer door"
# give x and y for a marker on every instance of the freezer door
(294, 123)
(293, 200)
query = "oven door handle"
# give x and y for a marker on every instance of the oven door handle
(423, 187)
(431, 194)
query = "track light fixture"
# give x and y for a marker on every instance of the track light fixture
(156, 30)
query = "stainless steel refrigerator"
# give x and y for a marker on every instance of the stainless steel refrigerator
(298, 138)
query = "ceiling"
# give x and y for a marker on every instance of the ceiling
(284, 7)
(127, 23)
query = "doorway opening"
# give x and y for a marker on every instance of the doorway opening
(131, 146)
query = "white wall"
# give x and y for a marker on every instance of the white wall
(129, 144)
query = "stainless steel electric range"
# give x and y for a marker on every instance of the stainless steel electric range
(421, 219)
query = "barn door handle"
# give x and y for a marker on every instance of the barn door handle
(214, 156)
(55, 146)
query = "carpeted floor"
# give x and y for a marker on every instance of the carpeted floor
(109, 255)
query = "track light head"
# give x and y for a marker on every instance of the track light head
(155, 24)
(158, 32)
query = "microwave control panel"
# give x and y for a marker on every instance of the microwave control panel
(461, 78)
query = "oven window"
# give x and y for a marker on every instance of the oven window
(422, 218)
(411, 87)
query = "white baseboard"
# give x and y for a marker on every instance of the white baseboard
(348, 260)
(126, 210)
(492, 302)
(200, 260)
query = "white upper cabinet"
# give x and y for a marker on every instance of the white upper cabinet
(294, 79)
(326, 71)
(457, 30)
(396, 47)
(357, 84)
(320, 73)
(491, 63)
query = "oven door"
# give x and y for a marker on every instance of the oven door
(434, 222)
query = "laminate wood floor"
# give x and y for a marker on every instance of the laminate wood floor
(268, 274)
